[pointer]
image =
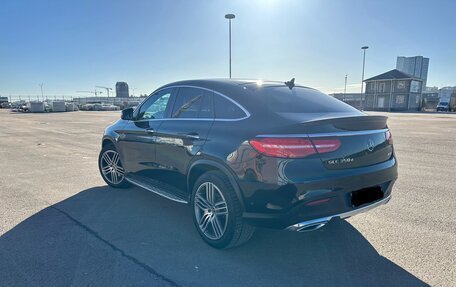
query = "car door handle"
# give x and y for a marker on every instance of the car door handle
(150, 131)
(193, 136)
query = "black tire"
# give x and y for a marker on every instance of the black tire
(123, 183)
(237, 230)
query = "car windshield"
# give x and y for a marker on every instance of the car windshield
(443, 103)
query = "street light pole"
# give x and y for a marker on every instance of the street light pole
(41, 86)
(345, 87)
(364, 48)
(229, 17)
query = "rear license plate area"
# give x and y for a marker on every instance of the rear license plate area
(366, 195)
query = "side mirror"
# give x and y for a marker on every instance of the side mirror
(127, 114)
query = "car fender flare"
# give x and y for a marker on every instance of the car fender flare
(229, 174)
(107, 138)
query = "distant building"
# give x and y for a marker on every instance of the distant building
(431, 90)
(107, 100)
(353, 99)
(121, 102)
(393, 91)
(433, 96)
(430, 98)
(122, 90)
(417, 66)
(446, 93)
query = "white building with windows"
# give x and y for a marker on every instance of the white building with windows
(393, 91)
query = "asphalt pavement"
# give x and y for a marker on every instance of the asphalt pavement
(60, 225)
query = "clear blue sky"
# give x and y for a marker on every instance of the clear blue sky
(75, 45)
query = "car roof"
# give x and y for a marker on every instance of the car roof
(246, 92)
(240, 90)
(225, 83)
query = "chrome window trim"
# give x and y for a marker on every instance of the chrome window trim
(321, 135)
(247, 114)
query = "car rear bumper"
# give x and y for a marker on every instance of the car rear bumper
(307, 217)
(315, 224)
(310, 205)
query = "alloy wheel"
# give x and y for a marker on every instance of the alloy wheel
(211, 210)
(111, 167)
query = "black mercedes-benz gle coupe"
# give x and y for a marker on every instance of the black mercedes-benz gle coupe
(246, 153)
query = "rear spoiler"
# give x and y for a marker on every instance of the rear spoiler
(352, 123)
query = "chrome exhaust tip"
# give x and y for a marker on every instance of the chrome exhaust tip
(310, 225)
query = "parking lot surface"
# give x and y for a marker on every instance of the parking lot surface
(61, 225)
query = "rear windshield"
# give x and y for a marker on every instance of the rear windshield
(302, 100)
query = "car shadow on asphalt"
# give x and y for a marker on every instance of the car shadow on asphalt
(117, 237)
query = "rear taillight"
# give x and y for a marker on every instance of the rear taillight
(389, 137)
(293, 147)
(326, 145)
(283, 147)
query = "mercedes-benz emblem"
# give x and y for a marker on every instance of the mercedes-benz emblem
(370, 145)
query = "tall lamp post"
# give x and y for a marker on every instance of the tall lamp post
(364, 48)
(41, 86)
(229, 17)
(345, 87)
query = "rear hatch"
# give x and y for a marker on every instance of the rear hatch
(318, 125)
(351, 142)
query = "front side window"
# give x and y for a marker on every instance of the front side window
(155, 107)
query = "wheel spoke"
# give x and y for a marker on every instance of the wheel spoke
(220, 208)
(107, 158)
(106, 169)
(218, 232)
(118, 176)
(204, 221)
(201, 202)
(221, 211)
(210, 192)
(114, 177)
(120, 170)
(115, 159)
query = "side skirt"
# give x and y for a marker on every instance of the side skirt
(160, 188)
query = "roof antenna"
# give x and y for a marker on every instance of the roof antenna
(290, 84)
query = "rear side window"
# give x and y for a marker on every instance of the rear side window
(193, 103)
(207, 107)
(302, 100)
(226, 109)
